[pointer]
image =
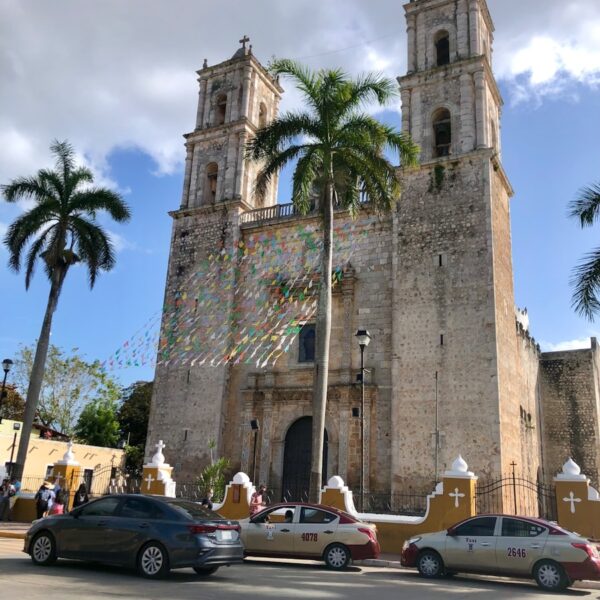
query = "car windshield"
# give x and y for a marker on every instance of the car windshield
(194, 511)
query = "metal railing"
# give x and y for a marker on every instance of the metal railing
(271, 213)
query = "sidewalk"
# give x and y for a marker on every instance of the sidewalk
(384, 560)
(8, 529)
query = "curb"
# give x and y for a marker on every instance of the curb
(375, 562)
(13, 535)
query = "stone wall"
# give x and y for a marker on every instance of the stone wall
(570, 420)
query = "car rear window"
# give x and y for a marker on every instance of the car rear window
(194, 511)
(518, 528)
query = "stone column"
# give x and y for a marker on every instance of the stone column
(246, 92)
(68, 474)
(412, 45)
(421, 43)
(474, 27)
(201, 104)
(265, 445)
(345, 419)
(185, 200)
(247, 437)
(467, 113)
(480, 112)
(406, 110)
(462, 29)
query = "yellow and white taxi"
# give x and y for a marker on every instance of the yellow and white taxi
(309, 531)
(505, 545)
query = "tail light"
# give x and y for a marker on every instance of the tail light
(368, 532)
(202, 529)
(587, 548)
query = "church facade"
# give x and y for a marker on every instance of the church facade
(451, 369)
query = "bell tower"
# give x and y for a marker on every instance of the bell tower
(235, 98)
(451, 103)
(456, 362)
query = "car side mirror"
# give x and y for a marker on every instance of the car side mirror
(450, 532)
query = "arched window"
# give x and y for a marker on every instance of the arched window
(220, 109)
(306, 344)
(262, 115)
(442, 132)
(212, 176)
(442, 48)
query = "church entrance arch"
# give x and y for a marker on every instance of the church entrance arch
(296, 461)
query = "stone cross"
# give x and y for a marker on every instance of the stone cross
(456, 496)
(244, 40)
(149, 480)
(572, 500)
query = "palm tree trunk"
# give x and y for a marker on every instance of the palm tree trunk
(323, 334)
(37, 370)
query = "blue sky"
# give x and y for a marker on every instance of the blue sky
(131, 98)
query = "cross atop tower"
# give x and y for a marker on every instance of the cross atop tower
(243, 41)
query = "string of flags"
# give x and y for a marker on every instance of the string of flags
(242, 306)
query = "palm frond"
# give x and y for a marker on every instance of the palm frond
(100, 199)
(586, 207)
(77, 177)
(23, 188)
(307, 170)
(25, 227)
(305, 79)
(586, 283)
(65, 157)
(283, 130)
(33, 254)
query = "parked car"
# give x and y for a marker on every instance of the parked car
(505, 545)
(302, 530)
(152, 533)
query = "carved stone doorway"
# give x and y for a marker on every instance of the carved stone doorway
(296, 461)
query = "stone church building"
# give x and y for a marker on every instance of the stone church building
(452, 367)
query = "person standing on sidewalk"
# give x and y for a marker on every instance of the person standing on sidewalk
(7, 491)
(13, 499)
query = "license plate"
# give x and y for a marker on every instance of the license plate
(226, 535)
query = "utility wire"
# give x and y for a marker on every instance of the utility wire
(362, 44)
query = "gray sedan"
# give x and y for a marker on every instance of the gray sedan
(152, 533)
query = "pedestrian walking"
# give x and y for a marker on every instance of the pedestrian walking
(58, 506)
(208, 500)
(13, 499)
(81, 496)
(44, 499)
(7, 491)
(258, 500)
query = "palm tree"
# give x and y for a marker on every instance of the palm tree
(586, 275)
(340, 156)
(61, 230)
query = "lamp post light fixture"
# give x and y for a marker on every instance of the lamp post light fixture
(6, 365)
(364, 338)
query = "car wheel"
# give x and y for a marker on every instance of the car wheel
(206, 571)
(550, 575)
(430, 564)
(337, 556)
(153, 561)
(43, 549)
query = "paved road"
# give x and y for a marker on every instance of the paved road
(258, 579)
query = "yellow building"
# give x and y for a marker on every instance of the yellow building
(97, 465)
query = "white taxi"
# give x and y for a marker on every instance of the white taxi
(505, 545)
(309, 531)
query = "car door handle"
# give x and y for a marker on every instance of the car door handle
(535, 546)
(328, 531)
(144, 526)
(285, 531)
(485, 544)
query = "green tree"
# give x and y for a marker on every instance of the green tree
(586, 275)
(62, 230)
(214, 475)
(340, 154)
(69, 383)
(133, 417)
(13, 405)
(98, 424)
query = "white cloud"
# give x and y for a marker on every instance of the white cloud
(578, 344)
(114, 75)
(120, 243)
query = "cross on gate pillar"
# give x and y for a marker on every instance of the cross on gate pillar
(156, 476)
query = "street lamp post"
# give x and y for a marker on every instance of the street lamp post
(16, 427)
(6, 365)
(363, 337)
(255, 426)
